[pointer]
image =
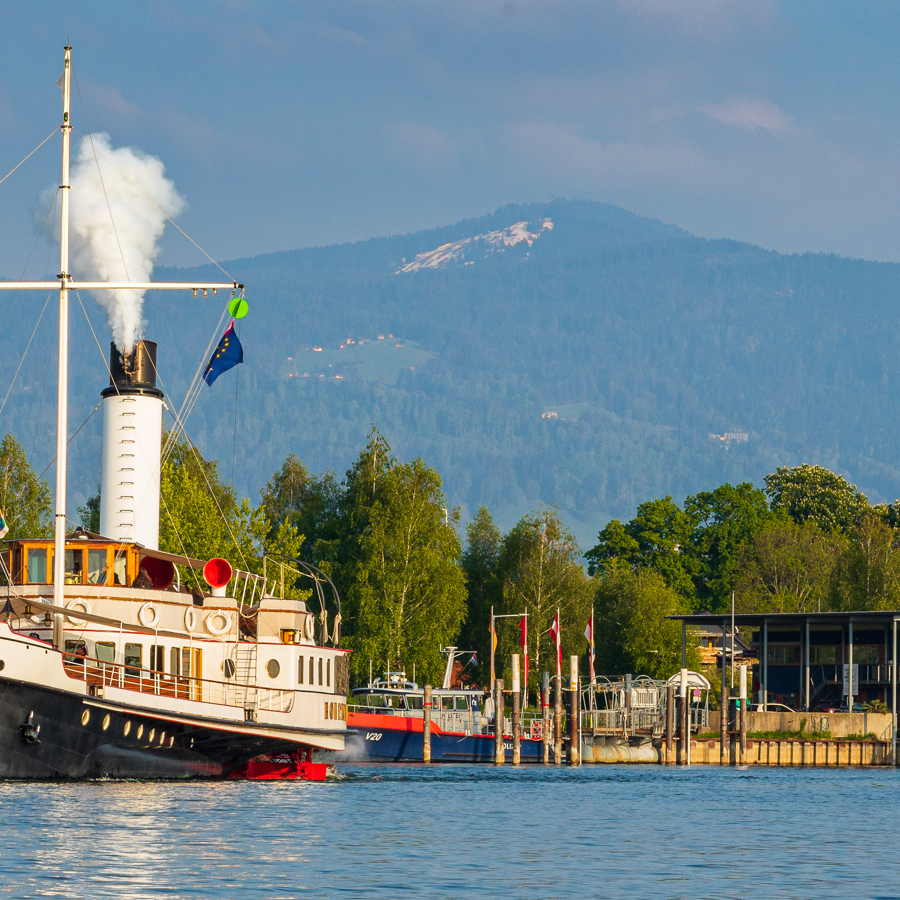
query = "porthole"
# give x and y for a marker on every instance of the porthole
(2, 665)
(127, 729)
(273, 667)
(151, 735)
(106, 721)
(228, 668)
(140, 732)
(86, 717)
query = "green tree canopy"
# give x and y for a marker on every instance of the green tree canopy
(632, 631)
(541, 573)
(24, 499)
(814, 493)
(867, 572)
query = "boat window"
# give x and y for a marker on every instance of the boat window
(328, 672)
(97, 566)
(462, 703)
(288, 636)
(312, 666)
(76, 651)
(414, 702)
(158, 659)
(74, 566)
(447, 703)
(119, 567)
(391, 702)
(376, 701)
(133, 658)
(105, 651)
(175, 660)
(37, 565)
(320, 671)
(300, 670)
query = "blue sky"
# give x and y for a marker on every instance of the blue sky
(294, 124)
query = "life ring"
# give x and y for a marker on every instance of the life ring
(190, 618)
(212, 628)
(75, 604)
(309, 627)
(148, 615)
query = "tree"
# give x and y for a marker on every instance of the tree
(787, 568)
(89, 514)
(633, 633)
(542, 573)
(655, 538)
(814, 493)
(727, 519)
(484, 586)
(24, 498)
(404, 583)
(867, 572)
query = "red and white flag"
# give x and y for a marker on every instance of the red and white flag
(554, 633)
(589, 634)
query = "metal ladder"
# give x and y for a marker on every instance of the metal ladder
(245, 675)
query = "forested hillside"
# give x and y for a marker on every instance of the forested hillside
(642, 339)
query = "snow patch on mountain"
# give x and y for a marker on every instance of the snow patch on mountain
(480, 246)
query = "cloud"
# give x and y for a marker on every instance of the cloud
(749, 113)
(108, 100)
(424, 149)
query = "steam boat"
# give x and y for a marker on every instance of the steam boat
(109, 666)
(387, 723)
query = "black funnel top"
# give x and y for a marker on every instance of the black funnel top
(133, 373)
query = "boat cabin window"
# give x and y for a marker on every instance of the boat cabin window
(462, 704)
(299, 670)
(414, 702)
(158, 659)
(119, 570)
(312, 665)
(106, 651)
(36, 565)
(133, 658)
(328, 673)
(446, 703)
(288, 636)
(375, 701)
(74, 565)
(175, 660)
(76, 651)
(320, 671)
(97, 563)
(393, 702)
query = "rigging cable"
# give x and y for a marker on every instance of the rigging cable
(41, 144)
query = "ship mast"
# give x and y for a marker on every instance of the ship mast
(64, 283)
(62, 375)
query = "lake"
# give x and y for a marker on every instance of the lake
(462, 831)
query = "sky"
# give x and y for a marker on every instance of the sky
(288, 124)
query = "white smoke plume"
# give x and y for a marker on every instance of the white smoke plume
(115, 233)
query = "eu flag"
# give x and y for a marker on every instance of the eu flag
(227, 355)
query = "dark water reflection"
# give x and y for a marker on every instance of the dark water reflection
(610, 831)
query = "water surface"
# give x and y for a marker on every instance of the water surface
(462, 831)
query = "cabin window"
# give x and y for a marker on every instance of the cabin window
(97, 566)
(312, 671)
(106, 651)
(175, 660)
(119, 570)
(186, 661)
(273, 668)
(462, 704)
(76, 651)
(320, 671)
(133, 659)
(288, 636)
(414, 702)
(784, 655)
(36, 565)
(823, 655)
(158, 659)
(328, 673)
(375, 701)
(74, 566)
(300, 671)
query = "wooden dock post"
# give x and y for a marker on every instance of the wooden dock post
(426, 725)
(545, 717)
(516, 712)
(670, 722)
(557, 722)
(499, 716)
(574, 749)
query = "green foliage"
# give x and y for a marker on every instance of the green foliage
(484, 586)
(541, 573)
(867, 573)
(89, 513)
(787, 568)
(633, 633)
(24, 499)
(814, 493)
